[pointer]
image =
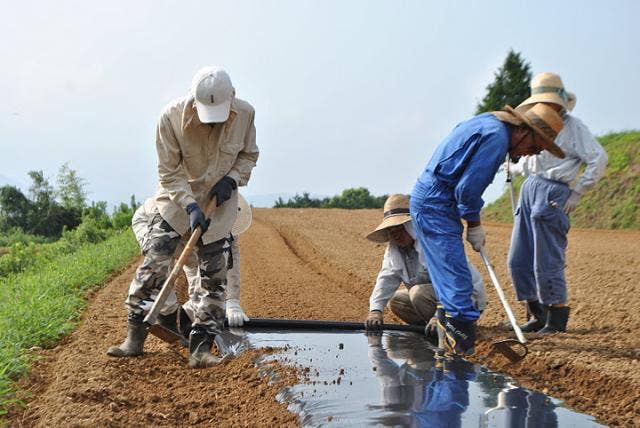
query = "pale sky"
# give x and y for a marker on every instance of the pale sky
(347, 93)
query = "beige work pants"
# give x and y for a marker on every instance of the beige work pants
(416, 305)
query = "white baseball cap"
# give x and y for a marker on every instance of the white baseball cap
(212, 90)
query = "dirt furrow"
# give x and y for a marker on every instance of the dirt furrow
(316, 264)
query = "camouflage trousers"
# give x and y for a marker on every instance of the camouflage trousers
(206, 298)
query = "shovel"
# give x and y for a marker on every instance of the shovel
(150, 320)
(514, 350)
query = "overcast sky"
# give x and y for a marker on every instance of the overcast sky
(347, 93)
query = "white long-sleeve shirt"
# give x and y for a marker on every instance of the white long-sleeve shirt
(580, 147)
(408, 267)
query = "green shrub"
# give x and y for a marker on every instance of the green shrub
(20, 256)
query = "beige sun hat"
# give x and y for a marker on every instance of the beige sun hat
(541, 118)
(548, 88)
(243, 220)
(395, 213)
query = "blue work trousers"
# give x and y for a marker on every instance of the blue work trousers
(439, 231)
(539, 242)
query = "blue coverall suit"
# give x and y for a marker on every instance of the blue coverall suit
(450, 189)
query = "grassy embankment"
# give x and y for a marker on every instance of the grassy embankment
(43, 303)
(613, 203)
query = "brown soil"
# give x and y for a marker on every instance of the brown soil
(315, 264)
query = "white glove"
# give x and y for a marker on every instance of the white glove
(572, 202)
(476, 237)
(235, 314)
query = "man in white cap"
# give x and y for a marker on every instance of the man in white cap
(206, 148)
(403, 263)
(541, 222)
(450, 189)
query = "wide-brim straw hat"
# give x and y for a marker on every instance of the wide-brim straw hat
(541, 118)
(395, 213)
(548, 88)
(243, 220)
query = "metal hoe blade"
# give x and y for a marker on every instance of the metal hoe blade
(513, 350)
(167, 335)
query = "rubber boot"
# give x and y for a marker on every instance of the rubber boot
(170, 322)
(459, 335)
(537, 317)
(200, 355)
(557, 319)
(134, 343)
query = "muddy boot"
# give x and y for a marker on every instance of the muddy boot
(200, 355)
(537, 317)
(170, 322)
(133, 344)
(557, 319)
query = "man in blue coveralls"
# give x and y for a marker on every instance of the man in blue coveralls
(450, 189)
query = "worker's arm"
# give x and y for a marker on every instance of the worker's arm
(247, 157)
(170, 171)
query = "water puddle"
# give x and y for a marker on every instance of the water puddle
(394, 379)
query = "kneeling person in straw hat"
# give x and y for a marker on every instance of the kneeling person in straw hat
(141, 224)
(450, 190)
(403, 263)
(541, 221)
(206, 148)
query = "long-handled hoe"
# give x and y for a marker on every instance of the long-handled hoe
(508, 347)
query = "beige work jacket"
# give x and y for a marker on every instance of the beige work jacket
(193, 156)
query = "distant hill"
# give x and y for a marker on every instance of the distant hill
(613, 203)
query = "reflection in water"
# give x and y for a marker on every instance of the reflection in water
(404, 384)
(521, 408)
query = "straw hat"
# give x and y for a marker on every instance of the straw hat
(542, 119)
(243, 220)
(548, 88)
(395, 213)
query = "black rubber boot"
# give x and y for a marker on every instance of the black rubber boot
(459, 335)
(537, 317)
(134, 343)
(200, 355)
(170, 322)
(557, 319)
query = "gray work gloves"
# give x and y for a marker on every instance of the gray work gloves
(222, 189)
(374, 320)
(476, 236)
(235, 315)
(572, 202)
(196, 217)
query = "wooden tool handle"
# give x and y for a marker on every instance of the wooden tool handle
(167, 287)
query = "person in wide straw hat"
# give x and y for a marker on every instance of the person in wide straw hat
(541, 223)
(450, 190)
(403, 263)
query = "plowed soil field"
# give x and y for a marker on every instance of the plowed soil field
(316, 264)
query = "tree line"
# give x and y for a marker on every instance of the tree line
(46, 211)
(356, 198)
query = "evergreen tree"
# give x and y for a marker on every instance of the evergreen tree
(511, 84)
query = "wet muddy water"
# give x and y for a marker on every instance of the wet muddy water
(395, 379)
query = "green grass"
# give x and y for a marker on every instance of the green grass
(613, 203)
(42, 304)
